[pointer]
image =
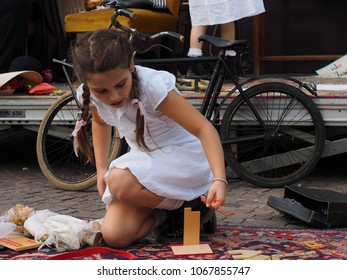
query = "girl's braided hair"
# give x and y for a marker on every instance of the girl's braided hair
(97, 52)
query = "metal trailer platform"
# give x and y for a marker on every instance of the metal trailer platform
(24, 110)
(28, 111)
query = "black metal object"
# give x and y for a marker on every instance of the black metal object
(317, 207)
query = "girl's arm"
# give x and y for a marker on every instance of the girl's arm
(101, 144)
(181, 111)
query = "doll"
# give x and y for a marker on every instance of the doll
(56, 230)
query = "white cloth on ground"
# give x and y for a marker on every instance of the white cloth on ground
(63, 232)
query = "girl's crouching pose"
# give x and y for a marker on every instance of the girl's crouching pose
(175, 153)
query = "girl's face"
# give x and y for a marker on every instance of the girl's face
(112, 87)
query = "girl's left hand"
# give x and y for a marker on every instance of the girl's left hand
(216, 195)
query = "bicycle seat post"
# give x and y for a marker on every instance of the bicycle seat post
(215, 86)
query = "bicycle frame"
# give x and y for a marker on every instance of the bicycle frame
(214, 88)
(311, 88)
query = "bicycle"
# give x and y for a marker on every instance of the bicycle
(272, 132)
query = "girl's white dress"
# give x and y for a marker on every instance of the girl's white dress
(177, 167)
(212, 12)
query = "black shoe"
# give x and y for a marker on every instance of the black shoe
(173, 226)
(198, 205)
(199, 71)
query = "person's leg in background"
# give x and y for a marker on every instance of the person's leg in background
(14, 21)
(227, 31)
(195, 50)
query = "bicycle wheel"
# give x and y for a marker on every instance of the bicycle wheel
(54, 146)
(285, 148)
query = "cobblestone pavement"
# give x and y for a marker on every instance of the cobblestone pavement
(21, 181)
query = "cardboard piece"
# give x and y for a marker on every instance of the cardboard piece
(19, 243)
(336, 69)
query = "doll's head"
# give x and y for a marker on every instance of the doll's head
(18, 214)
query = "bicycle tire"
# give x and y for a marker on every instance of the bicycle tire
(289, 146)
(54, 147)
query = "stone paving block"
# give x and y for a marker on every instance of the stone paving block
(248, 208)
(237, 221)
(267, 217)
(249, 202)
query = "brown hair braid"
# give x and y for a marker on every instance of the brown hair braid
(140, 122)
(84, 146)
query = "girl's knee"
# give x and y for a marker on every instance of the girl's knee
(119, 181)
(116, 238)
(123, 225)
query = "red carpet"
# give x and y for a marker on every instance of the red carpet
(327, 243)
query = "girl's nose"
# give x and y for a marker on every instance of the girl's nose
(114, 96)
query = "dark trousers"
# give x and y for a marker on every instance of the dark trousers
(14, 21)
(48, 40)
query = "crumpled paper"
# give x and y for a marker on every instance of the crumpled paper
(6, 228)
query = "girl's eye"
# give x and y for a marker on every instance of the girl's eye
(101, 91)
(121, 84)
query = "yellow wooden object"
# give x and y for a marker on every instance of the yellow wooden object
(145, 20)
(191, 236)
(313, 244)
(257, 255)
(201, 249)
(244, 254)
(191, 227)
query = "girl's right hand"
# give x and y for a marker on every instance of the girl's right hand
(101, 183)
(216, 195)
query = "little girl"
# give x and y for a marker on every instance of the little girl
(175, 153)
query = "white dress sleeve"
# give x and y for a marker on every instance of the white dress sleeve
(157, 86)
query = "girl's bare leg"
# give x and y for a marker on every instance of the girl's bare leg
(125, 187)
(129, 216)
(124, 224)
